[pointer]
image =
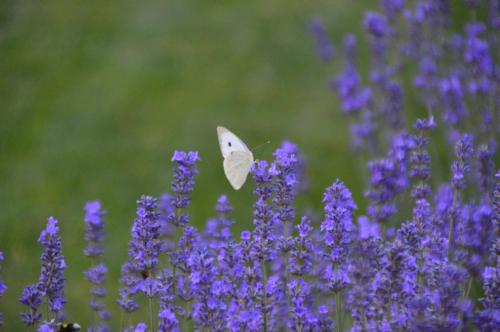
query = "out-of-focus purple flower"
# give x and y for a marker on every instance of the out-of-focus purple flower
(140, 327)
(485, 168)
(218, 230)
(96, 275)
(353, 96)
(182, 185)
(477, 50)
(387, 180)
(52, 280)
(393, 7)
(167, 230)
(32, 298)
(375, 24)
(367, 229)
(464, 150)
(420, 159)
(452, 98)
(47, 327)
(94, 229)
(324, 46)
(495, 14)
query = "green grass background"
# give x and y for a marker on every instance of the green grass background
(96, 95)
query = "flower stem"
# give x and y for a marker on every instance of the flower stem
(338, 308)
(264, 294)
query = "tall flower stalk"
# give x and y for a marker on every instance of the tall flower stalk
(50, 287)
(96, 274)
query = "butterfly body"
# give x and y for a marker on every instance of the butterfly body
(238, 159)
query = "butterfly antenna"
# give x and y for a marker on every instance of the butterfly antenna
(260, 145)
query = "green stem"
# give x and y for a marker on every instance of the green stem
(338, 307)
(151, 315)
(452, 221)
(264, 295)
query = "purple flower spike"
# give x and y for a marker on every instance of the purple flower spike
(337, 233)
(96, 275)
(182, 185)
(94, 229)
(52, 280)
(325, 48)
(461, 166)
(375, 24)
(32, 298)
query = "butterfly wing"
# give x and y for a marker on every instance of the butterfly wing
(237, 165)
(229, 142)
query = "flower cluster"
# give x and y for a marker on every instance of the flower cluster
(50, 286)
(96, 274)
(419, 253)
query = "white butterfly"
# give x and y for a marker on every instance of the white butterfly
(238, 159)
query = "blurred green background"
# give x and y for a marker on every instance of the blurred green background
(96, 95)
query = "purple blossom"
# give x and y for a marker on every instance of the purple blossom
(353, 96)
(263, 215)
(489, 319)
(32, 297)
(485, 168)
(375, 24)
(325, 48)
(209, 307)
(182, 185)
(300, 261)
(52, 280)
(96, 274)
(94, 229)
(452, 97)
(302, 318)
(337, 233)
(461, 166)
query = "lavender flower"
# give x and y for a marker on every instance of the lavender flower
(300, 261)
(32, 297)
(302, 318)
(182, 185)
(460, 167)
(96, 274)
(263, 214)
(52, 280)
(94, 232)
(325, 48)
(337, 231)
(209, 308)
(488, 319)
(138, 273)
(485, 168)
(452, 97)
(348, 84)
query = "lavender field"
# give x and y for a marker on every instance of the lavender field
(375, 209)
